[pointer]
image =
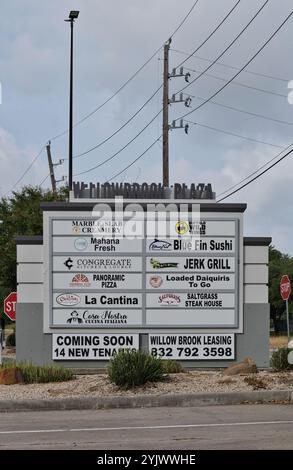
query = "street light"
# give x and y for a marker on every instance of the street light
(73, 15)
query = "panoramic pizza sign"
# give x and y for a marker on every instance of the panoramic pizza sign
(102, 278)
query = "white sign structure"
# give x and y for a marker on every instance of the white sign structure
(196, 346)
(91, 346)
(99, 278)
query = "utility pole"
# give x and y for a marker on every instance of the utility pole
(51, 168)
(166, 115)
(166, 102)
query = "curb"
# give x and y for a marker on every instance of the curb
(147, 401)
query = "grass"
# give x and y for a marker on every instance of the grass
(278, 342)
(40, 374)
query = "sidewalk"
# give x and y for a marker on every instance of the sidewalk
(146, 401)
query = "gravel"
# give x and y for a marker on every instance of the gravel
(188, 382)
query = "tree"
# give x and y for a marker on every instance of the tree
(279, 264)
(20, 214)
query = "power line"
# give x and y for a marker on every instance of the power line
(112, 96)
(43, 181)
(120, 128)
(238, 110)
(242, 68)
(244, 85)
(27, 170)
(263, 75)
(210, 35)
(255, 171)
(216, 129)
(134, 161)
(152, 96)
(87, 116)
(228, 47)
(184, 19)
(256, 177)
(122, 148)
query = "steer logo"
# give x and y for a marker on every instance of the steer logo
(80, 280)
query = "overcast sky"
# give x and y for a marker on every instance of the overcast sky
(112, 40)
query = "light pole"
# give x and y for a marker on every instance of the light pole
(73, 15)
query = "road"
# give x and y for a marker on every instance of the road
(210, 427)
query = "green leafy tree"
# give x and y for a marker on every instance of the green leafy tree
(20, 214)
(279, 264)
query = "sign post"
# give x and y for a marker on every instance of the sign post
(10, 305)
(285, 290)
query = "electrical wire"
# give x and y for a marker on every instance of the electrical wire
(210, 35)
(120, 128)
(228, 47)
(244, 85)
(87, 116)
(255, 171)
(258, 176)
(134, 161)
(251, 139)
(242, 68)
(238, 110)
(27, 170)
(259, 74)
(122, 148)
(43, 181)
(152, 96)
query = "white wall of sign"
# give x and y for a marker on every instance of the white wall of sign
(191, 279)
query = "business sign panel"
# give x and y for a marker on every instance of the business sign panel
(191, 245)
(192, 264)
(91, 346)
(192, 346)
(96, 300)
(102, 278)
(95, 244)
(75, 280)
(89, 317)
(161, 281)
(97, 263)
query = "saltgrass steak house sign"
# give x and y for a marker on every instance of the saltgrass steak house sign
(100, 278)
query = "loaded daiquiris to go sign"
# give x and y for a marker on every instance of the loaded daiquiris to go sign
(102, 278)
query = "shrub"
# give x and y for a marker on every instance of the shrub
(172, 367)
(10, 340)
(41, 374)
(131, 368)
(279, 359)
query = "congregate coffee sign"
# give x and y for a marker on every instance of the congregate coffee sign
(102, 279)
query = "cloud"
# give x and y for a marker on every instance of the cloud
(14, 161)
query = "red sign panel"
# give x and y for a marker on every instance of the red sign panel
(10, 305)
(285, 287)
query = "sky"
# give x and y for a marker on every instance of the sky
(112, 40)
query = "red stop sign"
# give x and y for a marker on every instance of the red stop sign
(285, 287)
(10, 305)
